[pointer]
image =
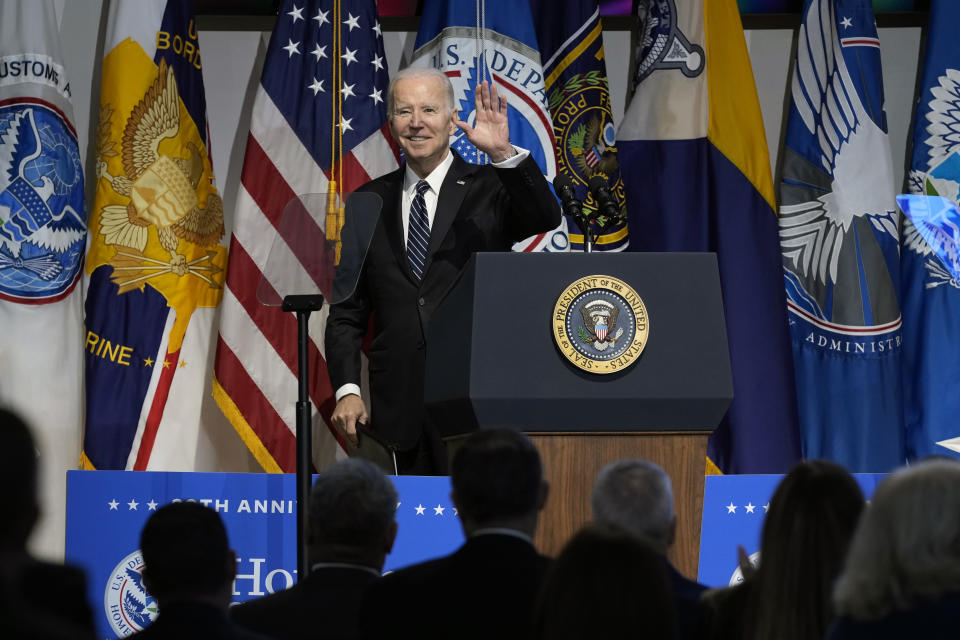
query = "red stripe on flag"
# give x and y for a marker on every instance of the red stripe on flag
(156, 409)
(266, 423)
(278, 327)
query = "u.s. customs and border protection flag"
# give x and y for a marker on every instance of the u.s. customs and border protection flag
(570, 35)
(839, 233)
(494, 40)
(697, 175)
(43, 233)
(156, 261)
(318, 125)
(929, 276)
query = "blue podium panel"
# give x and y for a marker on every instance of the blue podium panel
(107, 509)
(733, 511)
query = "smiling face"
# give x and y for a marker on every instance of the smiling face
(422, 122)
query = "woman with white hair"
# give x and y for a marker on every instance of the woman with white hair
(902, 575)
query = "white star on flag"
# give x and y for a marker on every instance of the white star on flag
(847, 23)
(319, 52)
(731, 508)
(347, 91)
(377, 62)
(420, 509)
(321, 18)
(376, 28)
(133, 504)
(345, 124)
(376, 96)
(151, 506)
(349, 55)
(292, 48)
(317, 86)
(296, 14)
(351, 21)
(113, 504)
(438, 510)
(749, 507)
(766, 507)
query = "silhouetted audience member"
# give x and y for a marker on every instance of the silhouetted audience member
(37, 599)
(902, 575)
(807, 531)
(487, 588)
(352, 527)
(637, 496)
(606, 583)
(189, 568)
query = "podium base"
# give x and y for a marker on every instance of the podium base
(572, 461)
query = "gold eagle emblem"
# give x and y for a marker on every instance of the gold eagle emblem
(162, 192)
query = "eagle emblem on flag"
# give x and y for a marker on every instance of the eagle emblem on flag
(162, 192)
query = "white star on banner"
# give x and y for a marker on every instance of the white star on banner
(320, 52)
(749, 507)
(766, 507)
(438, 510)
(731, 508)
(347, 91)
(377, 62)
(113, 504)
(953, 444)
(345, 124)
(376, 28)
(296, 14)
(317, 86)
(846, 22)
(292, 48)
(350, 55)
(321, 18)
(351, 21)
(151, 506)
(133, 504)
(420, 509)
(376, 96)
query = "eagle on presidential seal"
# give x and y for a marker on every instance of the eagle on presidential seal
(162, 189)
(600, 319)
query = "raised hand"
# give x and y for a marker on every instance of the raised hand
(491, 133)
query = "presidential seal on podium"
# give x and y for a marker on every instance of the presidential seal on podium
(600, 324)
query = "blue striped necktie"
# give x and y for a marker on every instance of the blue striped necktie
(418, 231)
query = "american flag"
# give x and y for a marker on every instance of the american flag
(319, 115)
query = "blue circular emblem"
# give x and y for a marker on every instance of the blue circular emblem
(43, 228)
(663, 45)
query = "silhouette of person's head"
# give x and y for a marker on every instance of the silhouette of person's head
(637, 496)
(186, 555)
(352, 514)
(18, 470)
(497, 480)
(606, 583)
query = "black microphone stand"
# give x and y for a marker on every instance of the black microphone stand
(303, 305)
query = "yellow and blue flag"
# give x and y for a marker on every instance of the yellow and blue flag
(930, 249)
(697, 174)
(156, 260)
(570, 35)
(839, 234)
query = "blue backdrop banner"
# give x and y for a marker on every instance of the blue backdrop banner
(107, 509)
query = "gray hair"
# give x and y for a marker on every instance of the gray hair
(635, 495)
(352, 504)
(421, 72)
(905, 548)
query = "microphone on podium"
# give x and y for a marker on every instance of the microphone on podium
(606, 205)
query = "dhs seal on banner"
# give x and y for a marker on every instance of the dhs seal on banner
(128, 606)
(42, 228)
(600, 324)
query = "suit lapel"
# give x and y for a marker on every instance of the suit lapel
(393, 222)
(454, 189)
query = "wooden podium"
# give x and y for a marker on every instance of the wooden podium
(492, 362)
